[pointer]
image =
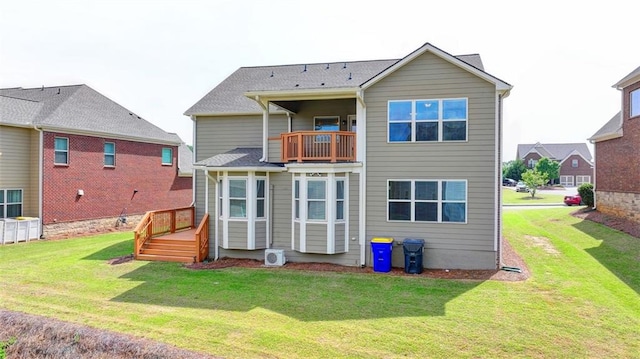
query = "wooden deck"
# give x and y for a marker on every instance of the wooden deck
(186, 235)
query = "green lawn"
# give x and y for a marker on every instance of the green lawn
(582, 300)
(510, 196)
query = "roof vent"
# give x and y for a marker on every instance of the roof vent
(327, 67)
(305, 68)
(344, 66)
(322, 84)
(349, 76)
(297, 85)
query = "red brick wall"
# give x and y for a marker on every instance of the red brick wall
(618, 160)
(584, 168)
(108, 190)
(534, 156)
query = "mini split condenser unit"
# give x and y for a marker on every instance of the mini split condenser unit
(274, 257)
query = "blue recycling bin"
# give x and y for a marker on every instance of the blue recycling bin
(413, 251)
(381, 248)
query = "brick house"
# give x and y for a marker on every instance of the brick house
(576, 166)
(617, 151)
(78, 161)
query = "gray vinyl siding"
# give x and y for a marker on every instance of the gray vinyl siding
(339, 232)
(448, 245)
(316, 238)
(303, 119)
(238, 234)
(19, 165)
(261, 234)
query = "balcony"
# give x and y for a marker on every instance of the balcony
(330, 146)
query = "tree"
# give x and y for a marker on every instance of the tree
(514, 169)
(550, 167)
(533, 179)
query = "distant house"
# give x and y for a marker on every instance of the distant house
(617, 151)
(313, 161)
(576, 166)
(80, 162)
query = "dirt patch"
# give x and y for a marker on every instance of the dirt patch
(544, 243)
(120, 260)
(621, 224)
(30, 336)
(509, 258)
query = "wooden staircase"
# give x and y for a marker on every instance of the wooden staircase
(170, 236)
(170, 250)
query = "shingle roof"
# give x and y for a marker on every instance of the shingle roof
(18, 111)
(613, 128)
(239, 157)
(81, 108)
(629, 79)
(228, 97)
(555, 151)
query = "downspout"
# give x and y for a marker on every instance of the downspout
(361, 136)
(498, 221)
(194, 159)
(595, 182)
(265, 128)
(206, 210)
(40, 178)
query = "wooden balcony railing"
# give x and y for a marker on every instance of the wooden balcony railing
(159, 222)
(332, 146)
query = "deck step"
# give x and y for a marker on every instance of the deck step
(169, 252)
(169, 246)
(165, 258)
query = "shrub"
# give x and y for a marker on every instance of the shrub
(586, 192)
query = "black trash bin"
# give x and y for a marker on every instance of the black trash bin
(413, 250)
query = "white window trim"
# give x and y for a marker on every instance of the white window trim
(6, 203)
(65, 151)
(162, 156)
(580, 179)
(439, 201)
(330, 220)
(440, 120)
(245, 198)
(110, 154)
(575, 163)
(567, 180)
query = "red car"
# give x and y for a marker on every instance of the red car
(571, 200)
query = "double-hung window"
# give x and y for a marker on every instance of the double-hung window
(238, 198)
(316, 199)
(10, 203)
(340, 200)
(574, 163)
(634, 103)
(109, 154)
(167, 156)
(434, 120)
(61, 151)
(427, 200)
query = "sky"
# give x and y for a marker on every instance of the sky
(157, 58)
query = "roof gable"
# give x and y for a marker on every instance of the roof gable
(458, 61)
(555, 151)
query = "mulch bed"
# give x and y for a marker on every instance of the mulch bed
(621, 224)
(509, 258)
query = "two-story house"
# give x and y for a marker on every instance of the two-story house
(617, 151)
(316, 160)
(576, 166)
(79, 162)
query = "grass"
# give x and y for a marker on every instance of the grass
(510, 196)
(581, 301)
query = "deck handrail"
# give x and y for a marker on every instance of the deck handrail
(162, 221)
(202, 238)
(332, 146)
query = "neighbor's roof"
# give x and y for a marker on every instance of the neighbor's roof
(17, 111)
(631, 78)
(229, 96)
(77, 108)
(185, 157)
(239, 157)
(611, 129)
(555, 151)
